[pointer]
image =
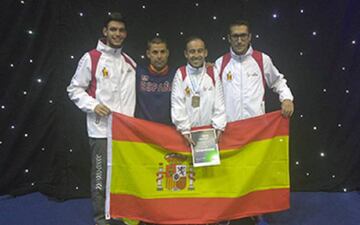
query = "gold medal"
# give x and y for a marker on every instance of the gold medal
(195, 101)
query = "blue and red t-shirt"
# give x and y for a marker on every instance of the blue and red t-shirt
(153, 94)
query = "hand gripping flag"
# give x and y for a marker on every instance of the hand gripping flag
(151, 178)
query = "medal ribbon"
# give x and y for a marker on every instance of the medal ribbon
(195, 86)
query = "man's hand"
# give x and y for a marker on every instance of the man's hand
(189, 140)
(287, 108)
(218, 135)
(102, 110)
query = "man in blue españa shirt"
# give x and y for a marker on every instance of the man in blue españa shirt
(153, 84)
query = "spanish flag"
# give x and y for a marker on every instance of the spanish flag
(151, 177)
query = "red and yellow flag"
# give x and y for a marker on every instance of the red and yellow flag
(152, 178)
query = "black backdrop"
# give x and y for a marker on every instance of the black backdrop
(43, 142)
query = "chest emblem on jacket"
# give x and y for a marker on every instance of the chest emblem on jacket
(105, 72)
(229, 76)
(207, 88)
(187, 91)
(252, 74)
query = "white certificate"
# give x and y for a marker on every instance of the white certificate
(205, 152)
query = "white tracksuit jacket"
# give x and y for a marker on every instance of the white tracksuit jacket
(243, 85)
(211, 110)
(114, 88)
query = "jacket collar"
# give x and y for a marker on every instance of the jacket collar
(194, 71)
(102, 47)
(241, 57)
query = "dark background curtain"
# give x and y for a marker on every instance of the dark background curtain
(43, 141)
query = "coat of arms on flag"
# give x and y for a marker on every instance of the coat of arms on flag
(176, 173)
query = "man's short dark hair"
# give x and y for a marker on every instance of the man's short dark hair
(114, 16)
(156, 40)
(192, 38)
(240, 23)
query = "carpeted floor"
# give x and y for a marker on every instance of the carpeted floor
(307, 208)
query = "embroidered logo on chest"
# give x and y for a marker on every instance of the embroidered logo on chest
(252, 74)
(207, 88)
(187, 91)
(229, 76)
(105, 72)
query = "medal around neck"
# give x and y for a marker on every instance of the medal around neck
(195, 101)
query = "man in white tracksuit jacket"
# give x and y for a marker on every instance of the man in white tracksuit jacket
(103, 82)
(197, 96)
(245, 73)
